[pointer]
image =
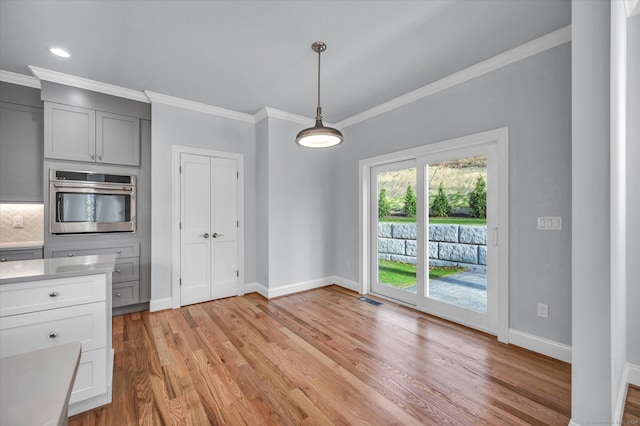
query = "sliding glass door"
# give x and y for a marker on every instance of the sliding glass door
(434, 222)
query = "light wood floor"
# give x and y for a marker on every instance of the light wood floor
(322, 357)
(632, 407)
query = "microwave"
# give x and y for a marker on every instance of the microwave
(89, 202)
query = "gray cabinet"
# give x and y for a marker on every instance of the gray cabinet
(125, 289)
(20, 153)
(8, 255)
(82, 134)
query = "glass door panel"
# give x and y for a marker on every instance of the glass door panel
(394, 231)
(457, 229)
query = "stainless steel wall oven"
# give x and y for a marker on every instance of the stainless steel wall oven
(88, 202)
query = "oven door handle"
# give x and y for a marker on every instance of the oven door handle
(109, 188)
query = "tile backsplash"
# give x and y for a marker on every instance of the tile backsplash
(32, 229)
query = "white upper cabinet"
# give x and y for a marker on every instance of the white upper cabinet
(82, 134)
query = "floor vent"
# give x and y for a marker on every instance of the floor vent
(370, 301)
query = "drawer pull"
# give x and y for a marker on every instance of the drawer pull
(117, 294)
(118, 270)
(70, 254)
(118, 251)
(53, 335)
(53, 294)
(4, 259)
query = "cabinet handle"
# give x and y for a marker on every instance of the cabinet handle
(53, 335)
(117, 294)
(92, 155)
(99, 156)
(53, 294)
(118, 270)
(4, 259)
(118, 251)
(70, 254)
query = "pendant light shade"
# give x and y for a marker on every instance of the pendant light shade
(319, 136)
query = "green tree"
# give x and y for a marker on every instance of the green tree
(441, 206)
(478, 199)
(410, 202)
(383, 204)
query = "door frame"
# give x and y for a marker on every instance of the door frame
(176, 151)
(501, 138)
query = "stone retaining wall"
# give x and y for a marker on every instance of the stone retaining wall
(449, 245)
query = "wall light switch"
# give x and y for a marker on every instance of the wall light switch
(550, 223)
(18, 222)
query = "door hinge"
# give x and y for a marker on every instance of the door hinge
(237, 175)
(181, 281)
(237, 224)
(180, 225)
(179, 169)
(237, 273)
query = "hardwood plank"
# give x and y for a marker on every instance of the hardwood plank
(632, 407)
(323, 357)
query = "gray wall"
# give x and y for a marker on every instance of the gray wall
(262, 202)
(591, 310)
(633, 194)
(533, 99)
(176, 126)
(300, 208)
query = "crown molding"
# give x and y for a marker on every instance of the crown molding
(546, 42)
(19, 79)
(197, 106)
(282, 115)
(84, 83)
(632, 7)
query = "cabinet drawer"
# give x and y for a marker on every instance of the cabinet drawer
(91, 378)
(11, 255)
(20, 298)
(38, 330)
(132, 250)
(127, 269)
(127, 293)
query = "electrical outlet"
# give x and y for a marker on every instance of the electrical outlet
(18, 222)
(543, 310)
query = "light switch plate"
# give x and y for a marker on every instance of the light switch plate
(550, 223)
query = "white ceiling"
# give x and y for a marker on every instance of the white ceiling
(244, 55)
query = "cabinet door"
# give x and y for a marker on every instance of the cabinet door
(69, 132)
(117, 139)
(20, 153)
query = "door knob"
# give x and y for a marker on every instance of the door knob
(207, 235)
(216, 235)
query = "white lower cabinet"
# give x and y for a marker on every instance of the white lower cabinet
(41, 314)
(89, 380)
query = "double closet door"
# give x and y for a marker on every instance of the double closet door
(208, 228)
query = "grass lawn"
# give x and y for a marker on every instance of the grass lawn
(437, 220)
(403, 275)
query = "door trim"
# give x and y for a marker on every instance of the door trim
(176, 151)
(501, 138)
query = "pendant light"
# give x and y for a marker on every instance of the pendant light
(319, 136)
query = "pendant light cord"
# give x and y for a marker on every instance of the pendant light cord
(319, 109)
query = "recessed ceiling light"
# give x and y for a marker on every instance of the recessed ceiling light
(60, 52)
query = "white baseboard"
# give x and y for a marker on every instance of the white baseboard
(633, 374)
(538, 344)
(160, 304)
(348, 284)
(284, 290)
(298, 287)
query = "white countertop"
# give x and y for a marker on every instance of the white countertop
(43, 269)
(22, 245)
(36, 386)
